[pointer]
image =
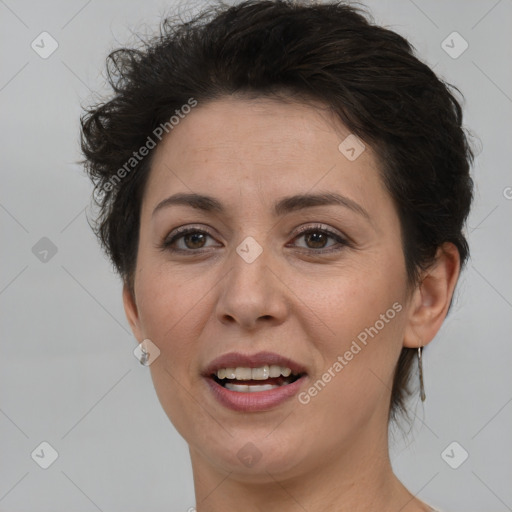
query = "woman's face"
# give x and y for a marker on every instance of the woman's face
(333, 300)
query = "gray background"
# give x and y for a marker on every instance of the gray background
(68, 375)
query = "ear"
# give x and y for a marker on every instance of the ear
(431, 299)
(132, 313)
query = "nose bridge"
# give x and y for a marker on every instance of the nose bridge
(249, 260)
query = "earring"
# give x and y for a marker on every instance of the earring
(144, 355)
(420, 370)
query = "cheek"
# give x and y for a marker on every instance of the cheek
(364, 320)
(163, 306)
(358, 361)
(169, 307)
(355, 299)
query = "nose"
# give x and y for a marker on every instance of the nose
(252, 291)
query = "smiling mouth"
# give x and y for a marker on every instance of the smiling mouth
(253, 385)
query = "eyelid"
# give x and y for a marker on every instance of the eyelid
(320, 227)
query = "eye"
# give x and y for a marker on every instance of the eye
(317, 236)
(194, 239)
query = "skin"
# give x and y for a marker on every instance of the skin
(329, 454)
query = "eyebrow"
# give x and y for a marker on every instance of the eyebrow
(281, 207)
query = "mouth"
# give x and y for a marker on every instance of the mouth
(254, 380)
(251, 383)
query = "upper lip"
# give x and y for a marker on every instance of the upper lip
(238, 360)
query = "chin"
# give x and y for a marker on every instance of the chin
(256, 457)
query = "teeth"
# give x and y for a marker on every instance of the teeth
(230, 373)
(261, 373)
(249, 389)
(243, 374)
(285, 372)
(275, 371)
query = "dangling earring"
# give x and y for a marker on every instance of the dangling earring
(420, 369)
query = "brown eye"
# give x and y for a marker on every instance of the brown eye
(192, 240)
(316, 239)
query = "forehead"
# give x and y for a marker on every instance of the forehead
(233, 124)
(271, 147)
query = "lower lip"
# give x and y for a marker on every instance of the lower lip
(257, 401)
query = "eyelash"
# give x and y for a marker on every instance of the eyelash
(181, 232)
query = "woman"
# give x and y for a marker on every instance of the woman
(283, 190)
